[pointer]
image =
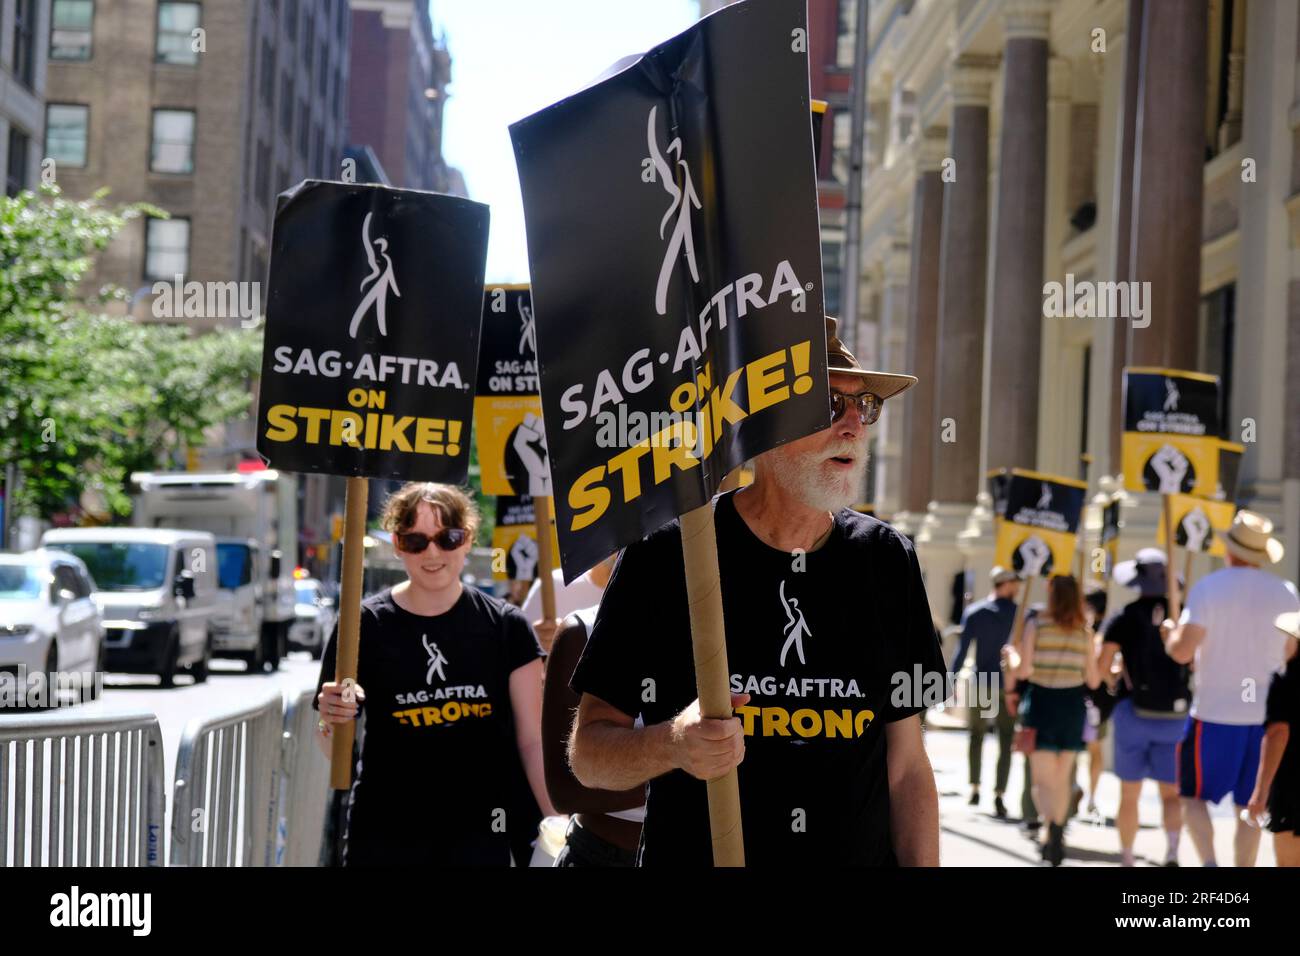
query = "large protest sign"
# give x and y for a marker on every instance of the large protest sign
(507, 401)
(1037, 533)
(1195, 520)
(676, 273)
(514, 539)
(369, 358)
(1171, 431)
(372, 332)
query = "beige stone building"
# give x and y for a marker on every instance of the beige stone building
(1015, 142)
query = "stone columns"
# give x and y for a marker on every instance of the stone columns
(917, 404)
(963, 269)
(893, 336)
(1170, 178)
(1014, 322)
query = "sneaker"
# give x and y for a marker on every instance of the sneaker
(999, 808)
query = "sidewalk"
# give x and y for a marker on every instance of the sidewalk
(973, 836)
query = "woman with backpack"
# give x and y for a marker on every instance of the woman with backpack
(1150, 719)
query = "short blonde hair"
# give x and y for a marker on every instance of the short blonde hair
(452, 506)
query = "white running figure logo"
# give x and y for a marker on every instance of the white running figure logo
(527, 329)
(378, 294)
(436, 660)
(795, 627)
(683, 197)
(1045, 497)
(1171, 395)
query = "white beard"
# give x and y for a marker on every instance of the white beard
(807, 479)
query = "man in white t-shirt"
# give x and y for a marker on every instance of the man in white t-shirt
(584, 592)
(1227, 630)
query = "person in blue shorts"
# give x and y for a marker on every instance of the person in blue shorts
(1228, 629)
(1150, 718)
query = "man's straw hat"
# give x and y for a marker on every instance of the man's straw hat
(1251, 539)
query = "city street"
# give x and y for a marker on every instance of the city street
(228, 688)
(973, 836)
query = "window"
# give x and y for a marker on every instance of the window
(286, 106)
(71, 27)
(841, 142)
(846, 34)
(167, 250)
(176, 25)
(268, 73)
(324, 66)
(281, 179)
(16, 167)
(25, 42)
(308, 41)
(291, 18)
(172, 150)
(341, 21)
(832, 256)
(318, 151)
(65, 133)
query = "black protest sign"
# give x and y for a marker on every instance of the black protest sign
(675, 257)
(998, 481)
(1037, 533)
(1171, 431)
(372, 330)
(514, 540)
(507, 404)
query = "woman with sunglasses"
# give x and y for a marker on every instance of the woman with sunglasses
(450, 680)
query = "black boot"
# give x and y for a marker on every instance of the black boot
(1055, 844)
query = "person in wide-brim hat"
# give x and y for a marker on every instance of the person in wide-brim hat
(1250, 539)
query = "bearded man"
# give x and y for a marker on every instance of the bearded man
(826, 737)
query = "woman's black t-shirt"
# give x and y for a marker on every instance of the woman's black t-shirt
(439, 766)
(831, 645)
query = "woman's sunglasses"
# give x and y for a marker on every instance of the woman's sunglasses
(868, 406)
(414, 542)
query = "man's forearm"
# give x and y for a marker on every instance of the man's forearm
(914, 816)
(608, 757)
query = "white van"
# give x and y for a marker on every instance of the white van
(157, 592)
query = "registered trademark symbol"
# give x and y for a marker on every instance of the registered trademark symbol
(808, 286)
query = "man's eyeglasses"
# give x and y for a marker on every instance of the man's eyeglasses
(868, 406)
(414, 542)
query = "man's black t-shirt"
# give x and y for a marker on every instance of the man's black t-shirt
(439, 763)
(1159, 683)
(831, 645)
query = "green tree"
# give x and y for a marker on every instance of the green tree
(89, 396)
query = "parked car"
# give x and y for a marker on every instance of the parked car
(315, 617)
(49, 622)
(156, 591)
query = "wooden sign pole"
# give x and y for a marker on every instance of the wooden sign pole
(349, 624)
(708, 637)
(1171, 579)
(542, 526)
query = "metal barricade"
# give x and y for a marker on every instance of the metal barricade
(227, 778)
(86, 791)
(304, 791)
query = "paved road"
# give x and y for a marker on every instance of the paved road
(229, 687)
(973, 836)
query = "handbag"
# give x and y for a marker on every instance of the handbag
(1026, 737)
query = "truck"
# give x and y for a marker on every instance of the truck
(254, 517)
